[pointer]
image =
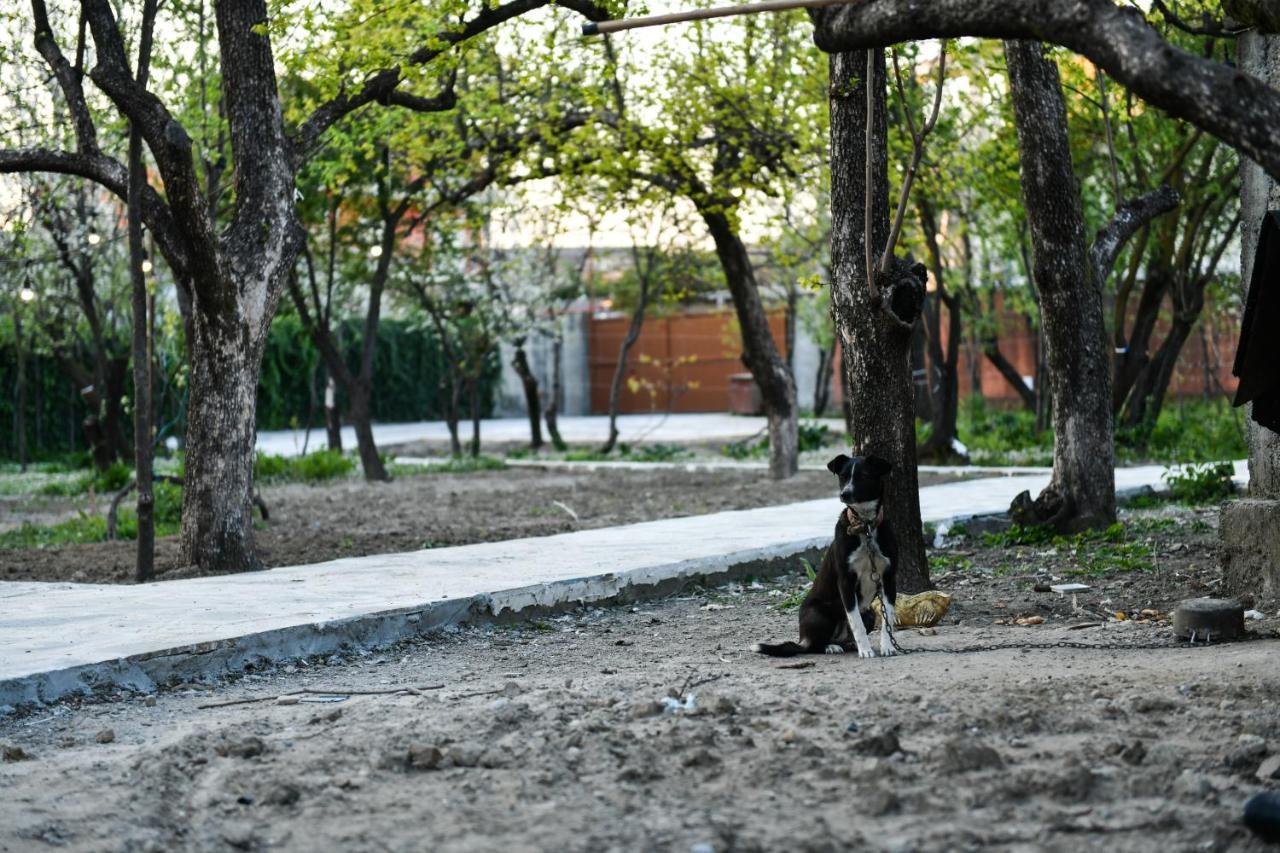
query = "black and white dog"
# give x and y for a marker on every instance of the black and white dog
(836, 614)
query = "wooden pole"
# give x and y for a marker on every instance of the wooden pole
(592, 28)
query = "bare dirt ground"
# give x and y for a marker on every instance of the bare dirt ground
(552, 735)
(352, 518)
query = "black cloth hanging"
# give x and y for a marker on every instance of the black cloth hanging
(1258, 355)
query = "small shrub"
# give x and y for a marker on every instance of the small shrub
(269, 466)
(1209, 482)
(315, 467)
(323, 465)
(814, 436)
(75, 531)
(115, 478)
(658, 453)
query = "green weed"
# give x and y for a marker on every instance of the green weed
(1209, 482)
(316, 467)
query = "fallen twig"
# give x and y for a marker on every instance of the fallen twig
(564, 506)
(318, 692)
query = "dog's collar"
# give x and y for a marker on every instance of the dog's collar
(858, 525)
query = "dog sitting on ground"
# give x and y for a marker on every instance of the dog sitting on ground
(836, 615)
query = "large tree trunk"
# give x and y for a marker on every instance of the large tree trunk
(876, 345)
(217, 528)
(532, 405)
(1249, 529)
(944, 361)
(759, 352)
(1081, 493)
(1259, 54)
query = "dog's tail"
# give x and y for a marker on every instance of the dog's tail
(781, 650)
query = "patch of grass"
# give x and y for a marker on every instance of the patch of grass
(647, 453)
(1094, 552)
(1187, 431)
(949, 563)
(1209, 482)
(796, 597)
(85, 528)
(316, 467)
(811, 436)
(997, 436)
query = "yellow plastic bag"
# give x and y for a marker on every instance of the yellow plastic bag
(923, 610)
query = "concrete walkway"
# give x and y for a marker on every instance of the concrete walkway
(583, 429)
(60, 638)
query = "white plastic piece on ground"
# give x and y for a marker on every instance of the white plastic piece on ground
(1070, 587)
(1253, 614)
(940, 536)
(671, 705)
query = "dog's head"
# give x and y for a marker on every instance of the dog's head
(861, 478)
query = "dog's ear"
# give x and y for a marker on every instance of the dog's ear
(835, 466)
(878, 467)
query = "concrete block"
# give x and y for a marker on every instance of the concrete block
(1249, 534)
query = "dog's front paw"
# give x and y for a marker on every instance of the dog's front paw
(866, 653)
(886, 649)
(834, 649)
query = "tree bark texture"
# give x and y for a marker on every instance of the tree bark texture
(532, 403)
(1259, 54)
(1081, 494)
(234, 297)
(759, 352)
(876, 346)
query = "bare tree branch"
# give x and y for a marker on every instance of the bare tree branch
(1128, 218)
(113, 176)
(1236, 107)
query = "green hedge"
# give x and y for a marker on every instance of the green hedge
(408, 368)
(407, 387)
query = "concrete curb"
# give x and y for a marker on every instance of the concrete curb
(42, 622)
(209, 661)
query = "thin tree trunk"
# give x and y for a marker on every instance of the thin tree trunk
(452, 414)
(532, 405)
(993, 354)
(946, 402)
(553, 406)
(921, 376)
(1081, 494)
(361, 411)
(146, 544)
(759, 353)
(822, 381)
(876, 346)
(628, 341)
(332, 420)
(20, 391)
(473, 394)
